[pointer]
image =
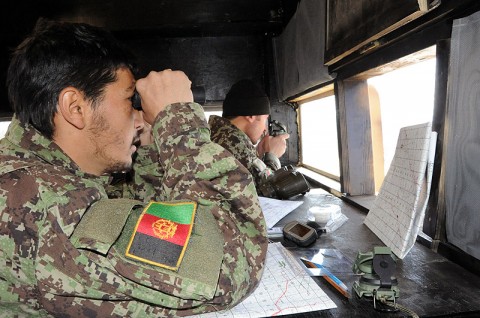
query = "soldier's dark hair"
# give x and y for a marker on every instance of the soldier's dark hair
(57, 55)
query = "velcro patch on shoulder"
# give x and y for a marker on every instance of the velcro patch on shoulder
(162, 234)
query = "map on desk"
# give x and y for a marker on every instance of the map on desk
(274, 210)
(399, 209)
(285, 288)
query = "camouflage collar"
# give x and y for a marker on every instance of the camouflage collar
(218, 123)
(27, 137)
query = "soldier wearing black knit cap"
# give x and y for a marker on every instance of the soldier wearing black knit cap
(243, 130)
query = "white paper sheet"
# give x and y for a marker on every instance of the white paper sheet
(274, 210)
(285, 288)
(399, 209)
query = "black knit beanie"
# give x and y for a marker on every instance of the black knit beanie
(245, 98)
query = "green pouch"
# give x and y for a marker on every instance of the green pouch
(102, 224)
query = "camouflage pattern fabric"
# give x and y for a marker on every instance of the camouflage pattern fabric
(237, 142)
(43, 196)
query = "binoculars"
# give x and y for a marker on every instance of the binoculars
(284, 183)
(275, 127)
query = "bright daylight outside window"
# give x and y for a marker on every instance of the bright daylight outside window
(318, 131)
(3, 128)
(406, 98)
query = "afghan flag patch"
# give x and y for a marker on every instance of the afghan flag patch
(162, 233)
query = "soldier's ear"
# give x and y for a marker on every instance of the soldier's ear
(71, 105)
(250, 119)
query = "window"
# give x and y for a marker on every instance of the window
(318, 134)
(406, 98)
(3, 128)
(400, 94)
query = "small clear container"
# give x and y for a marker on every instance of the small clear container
(323, 214)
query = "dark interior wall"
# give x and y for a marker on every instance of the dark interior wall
(212, 62)
(287, 116)
(170, 25)
(281, 111)
(17, 19)
(5, 52)
(4, 105)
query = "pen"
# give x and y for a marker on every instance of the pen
(329, 277)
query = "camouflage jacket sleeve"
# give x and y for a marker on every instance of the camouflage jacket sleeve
(184, 164)
(238, 143)
(46, 266)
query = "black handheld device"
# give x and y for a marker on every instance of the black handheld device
(300, 233)
(275, 127)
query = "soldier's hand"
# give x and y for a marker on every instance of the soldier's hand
(276, 145)
(160, 89)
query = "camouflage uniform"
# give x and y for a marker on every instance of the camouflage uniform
(47, 268)
(237, 142)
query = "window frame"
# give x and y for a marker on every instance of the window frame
(324, 92)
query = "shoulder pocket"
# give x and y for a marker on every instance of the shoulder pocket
(102, 224)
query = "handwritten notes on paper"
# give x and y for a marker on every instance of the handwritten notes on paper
(399, 209)
(285, 288)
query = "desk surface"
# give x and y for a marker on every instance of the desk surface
(429, 284)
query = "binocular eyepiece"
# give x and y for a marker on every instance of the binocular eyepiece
(136, 101)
